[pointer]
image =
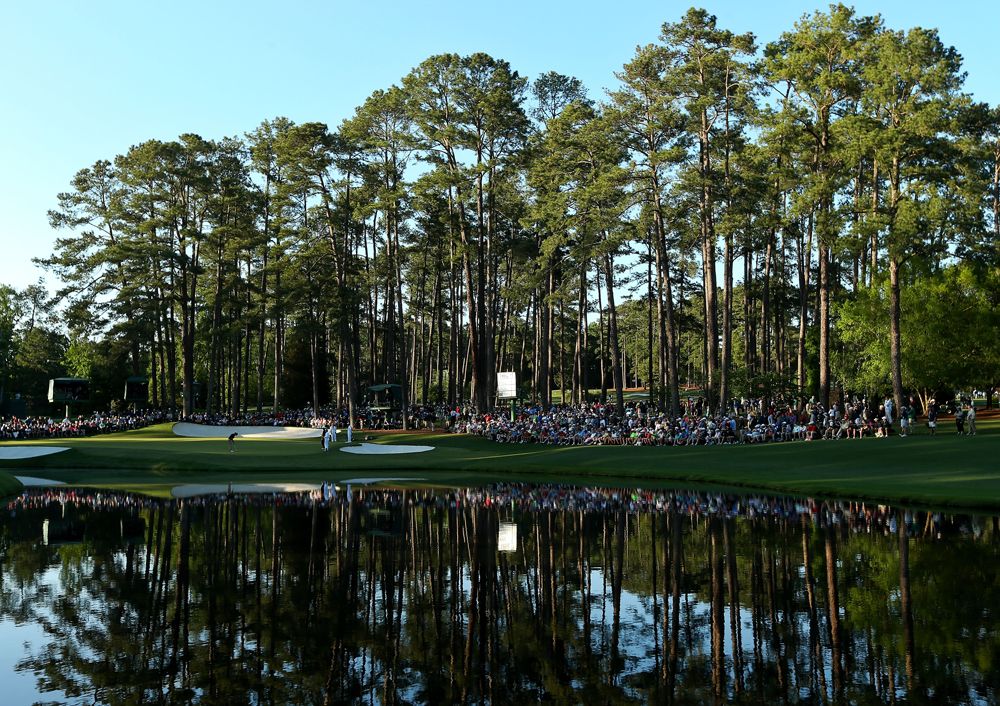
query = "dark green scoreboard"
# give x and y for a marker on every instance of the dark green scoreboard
(64, 390)
(136, 389)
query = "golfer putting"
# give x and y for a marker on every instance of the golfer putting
(232, 442)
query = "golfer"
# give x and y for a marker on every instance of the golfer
(232, 442)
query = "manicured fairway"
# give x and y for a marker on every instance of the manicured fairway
(943, 471)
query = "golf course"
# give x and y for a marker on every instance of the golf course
(943, 471)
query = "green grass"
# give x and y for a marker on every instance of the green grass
(943, 471)
(9, 485)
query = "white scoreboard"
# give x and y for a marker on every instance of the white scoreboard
(507, 386)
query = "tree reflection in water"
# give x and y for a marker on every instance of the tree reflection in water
(611, 596)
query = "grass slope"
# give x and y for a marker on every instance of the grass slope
(9, 485)
(940, 471)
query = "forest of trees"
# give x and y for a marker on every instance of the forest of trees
(814, 216)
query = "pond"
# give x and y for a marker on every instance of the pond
(503, 594)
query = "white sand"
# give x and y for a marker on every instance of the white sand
(32, 482)
(375, 449)
(19, 452)
(209, 431)
(190, 491)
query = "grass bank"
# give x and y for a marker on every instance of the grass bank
(946, 470)
(9, 485)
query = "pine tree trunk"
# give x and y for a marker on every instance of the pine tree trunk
(708, 254)
(873, 248)
(750, 347)
(895, 346)
(579, 354)
(170, 344)
(649, 320)
(804, 261)
(404, 378)
(727, 323)
(213, 355)
(615, 345)
(765, 306)
(824, 324)
(600, 328)
(453, 331)
(665, 306)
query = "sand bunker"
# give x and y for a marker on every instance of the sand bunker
(19, 452)
(32, 482)
(374, 449)
(190, 491)
(208, 431)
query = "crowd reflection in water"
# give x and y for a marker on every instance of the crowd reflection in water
(858, 516)
(610, 595)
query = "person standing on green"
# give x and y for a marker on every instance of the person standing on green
(970, 419)
(232, 442)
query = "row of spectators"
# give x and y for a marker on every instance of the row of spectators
(284, 418)
(42, 427)
(644, 424)
(365, 417)
(430, 417)
(38, 427)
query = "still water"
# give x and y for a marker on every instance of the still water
(506, 594)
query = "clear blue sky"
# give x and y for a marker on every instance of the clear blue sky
(84, 81)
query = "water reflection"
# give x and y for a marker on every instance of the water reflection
(507, 594)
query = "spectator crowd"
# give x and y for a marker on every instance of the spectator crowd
(366, 417)
(742, 422)
(41, 427)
